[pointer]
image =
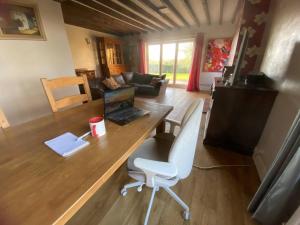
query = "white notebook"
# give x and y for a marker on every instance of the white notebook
(66, 144)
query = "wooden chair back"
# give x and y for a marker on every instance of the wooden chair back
(50, 85)
(3, 121)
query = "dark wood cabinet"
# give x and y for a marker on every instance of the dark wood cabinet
(110, 56)
(90, 74)
(237, 116)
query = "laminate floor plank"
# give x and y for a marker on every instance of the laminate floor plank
(216, 197)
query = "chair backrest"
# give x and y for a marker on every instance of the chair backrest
(189, 111)
(184, 146)
(3, 121)
(50, 85)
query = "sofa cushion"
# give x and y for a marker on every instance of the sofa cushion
(163, 76)
(156, 81)
(111, 83)
(145, 89)
(119, 79)
(128, 76)
(141, 79)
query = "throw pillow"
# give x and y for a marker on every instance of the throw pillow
(110, 83)
(127, 76)
(119, 79)
(163, 76)
(156, 81)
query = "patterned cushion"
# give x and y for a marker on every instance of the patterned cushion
(119, 79)
(128, 76)
(111, 83)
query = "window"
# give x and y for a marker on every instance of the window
(168, 60)
(184, 61)
(154, 59)
(173, 59)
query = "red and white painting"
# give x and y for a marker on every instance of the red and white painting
(217, 54)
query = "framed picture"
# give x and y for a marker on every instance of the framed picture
(217, 54)
(20, 21)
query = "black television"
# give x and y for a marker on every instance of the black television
(240, 58)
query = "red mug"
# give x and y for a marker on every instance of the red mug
(97, 126)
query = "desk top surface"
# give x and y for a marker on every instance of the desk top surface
(37, 186)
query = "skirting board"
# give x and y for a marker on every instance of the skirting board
(205, 87)
(259, 164)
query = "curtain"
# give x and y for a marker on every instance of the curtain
(142, 54)
(194, 78)
(279, 193)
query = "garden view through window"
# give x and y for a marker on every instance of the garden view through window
(173, 59)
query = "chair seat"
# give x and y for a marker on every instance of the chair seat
(154, 149)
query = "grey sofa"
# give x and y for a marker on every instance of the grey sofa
(145, 85)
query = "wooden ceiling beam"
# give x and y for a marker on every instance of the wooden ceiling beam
(140, 10)
(82, 16)
(221, 11)
(111, 13)
(175, 11)
(127, 13)
(191, 11)
(206, 11)
(155, 9)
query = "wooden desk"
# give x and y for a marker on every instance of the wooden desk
(39, 187)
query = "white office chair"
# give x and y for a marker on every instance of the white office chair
(161, 163)
(173, 123)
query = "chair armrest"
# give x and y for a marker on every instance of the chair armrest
(152, 168)
(173, 124)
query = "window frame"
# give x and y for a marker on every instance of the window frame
(161, 43)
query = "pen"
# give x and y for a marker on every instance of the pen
(83, 136)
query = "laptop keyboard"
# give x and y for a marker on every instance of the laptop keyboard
(126, 114)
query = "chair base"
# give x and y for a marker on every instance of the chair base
(139, 185)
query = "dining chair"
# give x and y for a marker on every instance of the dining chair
(3, 121)
(160, 163)
(174, 123)
(57, 104)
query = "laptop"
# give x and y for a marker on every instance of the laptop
(119, 106)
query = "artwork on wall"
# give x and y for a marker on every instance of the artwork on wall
(20, 21)
(217, 54)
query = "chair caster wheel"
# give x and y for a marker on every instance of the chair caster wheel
(123, 192)
(140, 188)
(186, 215)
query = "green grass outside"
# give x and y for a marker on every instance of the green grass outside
(179, 76)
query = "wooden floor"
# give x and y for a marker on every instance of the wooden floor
(215, 197)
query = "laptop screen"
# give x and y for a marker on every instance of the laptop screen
(118, 99)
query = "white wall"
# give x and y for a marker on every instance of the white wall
(226, 30)
(24, 62)
(281, 63)
(84, 55)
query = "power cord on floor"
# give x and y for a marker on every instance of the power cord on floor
(218, 166)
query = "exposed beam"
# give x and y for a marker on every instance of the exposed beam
(112, 14)
(191, 11)
(175, 11)
(206, 11)
(221, 11)
(236, 11)
(150, 5)
(118, 8)
(140, 10)
(82, 16)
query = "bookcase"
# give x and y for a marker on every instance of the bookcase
(110, 56)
